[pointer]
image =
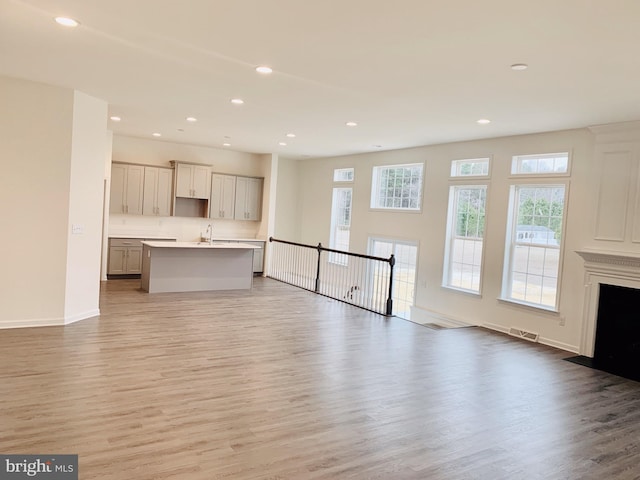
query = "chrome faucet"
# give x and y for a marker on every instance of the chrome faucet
(209, 234)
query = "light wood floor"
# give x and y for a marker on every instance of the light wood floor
(284, 384)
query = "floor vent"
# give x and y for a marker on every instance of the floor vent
(516, 332)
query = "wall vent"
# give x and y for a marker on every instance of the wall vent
(517, 332)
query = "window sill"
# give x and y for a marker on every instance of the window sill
(471, 293)
(395, 210)
(531, 306)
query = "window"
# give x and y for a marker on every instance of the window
(397, 187)
(533, 245)
(542, 164)
(465, 237)
(404, 272)
(343, 175)
(474, 167)
(340, 224)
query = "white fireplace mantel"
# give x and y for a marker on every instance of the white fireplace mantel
(604, 267)
(611, 262)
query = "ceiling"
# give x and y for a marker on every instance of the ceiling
(409, 72)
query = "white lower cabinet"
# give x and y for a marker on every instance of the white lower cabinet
(258, 253)
(258, 257)
(125, 256)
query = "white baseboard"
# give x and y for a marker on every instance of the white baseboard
(48, 322)
(422, 315)
(32, 322)
(82, 316)
(545, 341)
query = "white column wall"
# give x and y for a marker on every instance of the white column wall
(84, 230)
(52, 144)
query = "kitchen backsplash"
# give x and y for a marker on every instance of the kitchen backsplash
(183, 229)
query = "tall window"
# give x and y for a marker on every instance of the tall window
(340, 224)
(397, 187)
(465, 237)
(532, 265)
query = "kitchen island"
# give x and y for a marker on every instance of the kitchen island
(196, 266)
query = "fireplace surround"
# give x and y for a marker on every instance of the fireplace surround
(611, 335)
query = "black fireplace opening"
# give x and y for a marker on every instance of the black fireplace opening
(617, 346)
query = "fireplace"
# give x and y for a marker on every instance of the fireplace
(617, 342)
(611, 332)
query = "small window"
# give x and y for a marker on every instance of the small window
(343, 175)
(474, 167)
(397, 187)
(542, 164)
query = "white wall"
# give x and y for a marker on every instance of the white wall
(287, 224)
(159, 153)
(40, 194)
(428, 227)
(89, 144)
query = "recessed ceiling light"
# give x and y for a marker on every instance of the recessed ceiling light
(519, 66)
(351, 124)
(156, 134)
(67, 22)
(115, 118)
(264, 69)
(191, 119)
(291, 135)
(226, 144)
(237, 101)
(483, 121)
(283, 144)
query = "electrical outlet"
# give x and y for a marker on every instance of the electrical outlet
(562, 321)
(77, 229)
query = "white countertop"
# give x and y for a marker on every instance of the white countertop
(150, 237)
(201, 245)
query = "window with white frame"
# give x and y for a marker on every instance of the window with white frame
(534, 240)
(404, 271)
(340, 224)
(472, 167)
(541, 164)
(397, 187)
(343, 175)
(465, 237)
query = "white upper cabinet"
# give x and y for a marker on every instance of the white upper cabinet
(223, 196)
(127, 184)
(248, 198)
(192, 181)
(157, 191)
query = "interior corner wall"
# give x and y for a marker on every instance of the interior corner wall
(35, 151)
(84, 229)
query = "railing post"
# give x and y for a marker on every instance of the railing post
(319, 247)
(392, 262)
